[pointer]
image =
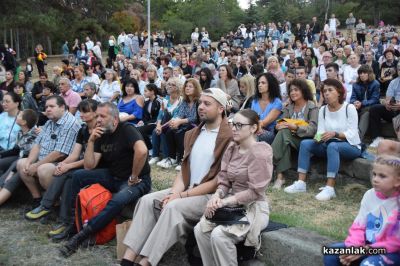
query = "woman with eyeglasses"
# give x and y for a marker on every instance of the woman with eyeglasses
(167, 111)
(9, 128)
(246, 171)
(110, 88)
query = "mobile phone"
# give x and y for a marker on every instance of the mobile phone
(392, 100)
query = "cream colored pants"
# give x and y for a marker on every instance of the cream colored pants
(151, 238)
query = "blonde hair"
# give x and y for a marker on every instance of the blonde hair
(249, 83)
(178, 84)
(391, 161)
(269, 61)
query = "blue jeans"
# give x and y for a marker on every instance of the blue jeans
(332, 150)
(123, 194)
(158, 141)
(266, 136)
(387, 259)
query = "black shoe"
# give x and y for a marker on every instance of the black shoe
(73, 244)
(62, 231)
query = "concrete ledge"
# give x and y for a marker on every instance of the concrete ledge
(292, 246)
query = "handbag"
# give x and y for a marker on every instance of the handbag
(229, 216)
(121, 230)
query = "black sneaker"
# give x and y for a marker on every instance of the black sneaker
(73, 244)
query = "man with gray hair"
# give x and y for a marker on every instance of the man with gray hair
(90, 92)
(71, 98)
(214, 71)
(124, 170)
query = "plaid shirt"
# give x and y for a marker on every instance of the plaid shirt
(64, 133)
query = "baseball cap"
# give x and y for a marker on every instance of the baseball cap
(217, 94)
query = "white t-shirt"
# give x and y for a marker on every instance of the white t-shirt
(202, 155)
(107, 90)
(340, 122)
(94, 78)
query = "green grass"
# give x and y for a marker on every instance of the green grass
(332, 218)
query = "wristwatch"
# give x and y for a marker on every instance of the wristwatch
(131, 178)
(336, 135)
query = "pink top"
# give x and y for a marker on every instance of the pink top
(377, 223)
(247, 174)
(71, 98)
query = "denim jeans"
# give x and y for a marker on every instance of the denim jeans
(266, 136)
(332, 150)
(123, 194)
(334, 260)
(157, 142)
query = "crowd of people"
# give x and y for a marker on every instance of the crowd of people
(229, 118)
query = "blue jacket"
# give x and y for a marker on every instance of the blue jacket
(366, 94)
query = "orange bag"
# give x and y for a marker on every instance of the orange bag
(90, 202)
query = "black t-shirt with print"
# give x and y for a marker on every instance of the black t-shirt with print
(117, 151)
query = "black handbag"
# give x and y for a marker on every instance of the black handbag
(229, 216)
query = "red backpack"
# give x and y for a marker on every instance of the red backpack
(90, 202)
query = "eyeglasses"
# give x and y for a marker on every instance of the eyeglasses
(238, 126)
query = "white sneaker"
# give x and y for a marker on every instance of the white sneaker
(169, 163)
(297, 187)
(375, 143)
(178, 168)
(327, 193)
(278, 183)
(162, 161)
(154, 160)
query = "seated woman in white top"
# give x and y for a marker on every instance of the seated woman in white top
(337, 138)
(110, 88)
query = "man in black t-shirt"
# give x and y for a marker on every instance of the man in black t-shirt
(116, 158)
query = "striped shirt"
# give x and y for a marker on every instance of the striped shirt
(58, 136)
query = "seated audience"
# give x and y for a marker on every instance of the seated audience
(229, 85)
(53, 144)
(236, 186)
(9, 129)
(9, 179)
(386, 111)
(365, 94)
(131, 104)
(59, 177)
(71, 98)
(149, 238)
(370, 229)
(27, 100)
(9, 84)
(290, 133)
(151, 108)
(184, 119)
(110, 88)
(268, 105)
(337, 138)
(90, 92)
(168, 109)
(124, 170)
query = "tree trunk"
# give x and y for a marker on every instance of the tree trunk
(17, 45)
(49, 51)
(11, 39)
